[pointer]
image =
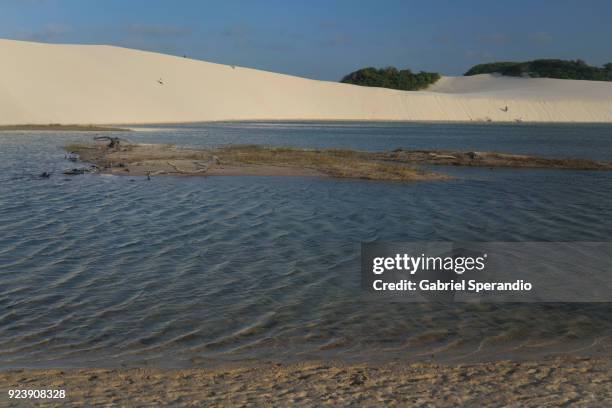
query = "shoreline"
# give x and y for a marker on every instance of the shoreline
(60, 127)
(126, 126)
(557, 381)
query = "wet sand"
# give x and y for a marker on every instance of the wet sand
(576, 382)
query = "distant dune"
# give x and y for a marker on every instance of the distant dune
(91, 84)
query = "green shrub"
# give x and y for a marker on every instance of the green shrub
(391, 77)
(494, 67)
(546, 68)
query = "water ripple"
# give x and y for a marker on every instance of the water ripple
(99, 270)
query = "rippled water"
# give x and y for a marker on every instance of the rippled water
(106, 270)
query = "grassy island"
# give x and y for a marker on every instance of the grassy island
(122, 157)
(244, 160)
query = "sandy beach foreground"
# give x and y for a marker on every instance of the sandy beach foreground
(576, 382)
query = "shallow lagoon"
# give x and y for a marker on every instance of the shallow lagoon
(105, 270)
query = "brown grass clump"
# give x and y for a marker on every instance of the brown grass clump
(333, 162)
(490, 159)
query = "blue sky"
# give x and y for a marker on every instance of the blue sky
(326, 39)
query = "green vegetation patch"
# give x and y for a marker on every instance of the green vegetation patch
(392, 78)
(546, 68)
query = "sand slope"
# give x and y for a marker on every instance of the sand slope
(86, 84)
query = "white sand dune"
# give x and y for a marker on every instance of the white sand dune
(87, 84)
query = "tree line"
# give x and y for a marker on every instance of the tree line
(546, 68)
(406, 80)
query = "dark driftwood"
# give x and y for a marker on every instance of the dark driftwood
(113, 142)
(81, 170)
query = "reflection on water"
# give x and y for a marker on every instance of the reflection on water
(104, 270)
